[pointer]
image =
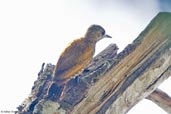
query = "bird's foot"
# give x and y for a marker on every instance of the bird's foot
(79, 79)
(108, 63)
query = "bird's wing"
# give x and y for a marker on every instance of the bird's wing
(69, 58)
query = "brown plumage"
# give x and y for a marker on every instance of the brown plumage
(77, 55)
(75, 58)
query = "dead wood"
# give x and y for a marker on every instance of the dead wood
(113, 83)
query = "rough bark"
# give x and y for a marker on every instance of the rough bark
(112, 83)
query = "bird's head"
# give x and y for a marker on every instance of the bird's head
(96, 33)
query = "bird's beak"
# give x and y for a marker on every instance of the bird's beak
(107, 36)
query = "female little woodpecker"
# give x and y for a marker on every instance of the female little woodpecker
(75, 58)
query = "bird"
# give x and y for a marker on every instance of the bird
(76, 57)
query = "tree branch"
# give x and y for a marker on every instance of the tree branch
(162, 99)
(112, 84)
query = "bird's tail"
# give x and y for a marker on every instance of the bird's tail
(55, 91)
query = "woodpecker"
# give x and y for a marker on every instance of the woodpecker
(76, 57)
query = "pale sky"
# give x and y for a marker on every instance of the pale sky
(37, 31)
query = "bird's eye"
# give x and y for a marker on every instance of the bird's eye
(98, 35)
